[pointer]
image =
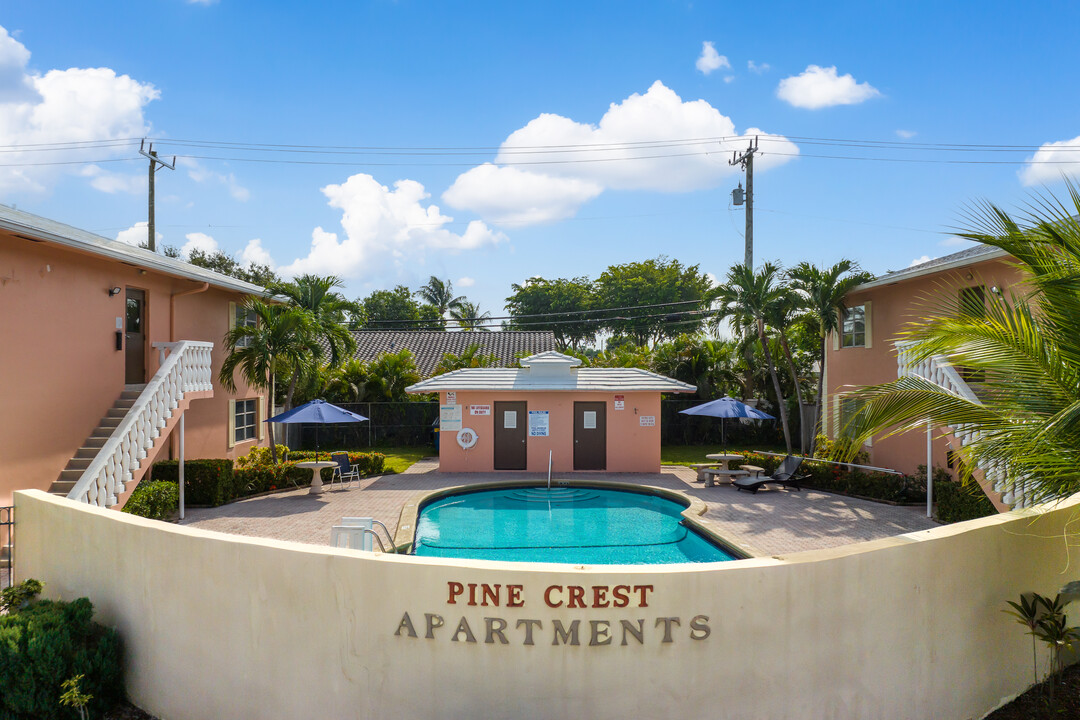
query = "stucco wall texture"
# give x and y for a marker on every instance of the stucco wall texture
(631, 447)
(892, 308)
(234, 628)
(60, 370)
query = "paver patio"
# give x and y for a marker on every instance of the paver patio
(771, 522)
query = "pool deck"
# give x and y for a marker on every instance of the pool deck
(773, 521)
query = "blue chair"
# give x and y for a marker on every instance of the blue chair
(344, 471)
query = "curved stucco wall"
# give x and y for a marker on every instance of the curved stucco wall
(220, 626)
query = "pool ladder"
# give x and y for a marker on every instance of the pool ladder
(549, 469)
(382, 548)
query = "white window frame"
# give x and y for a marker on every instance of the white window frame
(845, 334)
(240, 412)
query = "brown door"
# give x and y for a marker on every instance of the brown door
(135, 338)
(590, 436)
(511, 448)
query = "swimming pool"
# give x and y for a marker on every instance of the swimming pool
(585, 525)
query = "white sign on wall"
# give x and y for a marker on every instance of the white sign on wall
(449, 418)
(479, 409)
(451, 398)
(648, 420)
(538, 423)
(620, 402)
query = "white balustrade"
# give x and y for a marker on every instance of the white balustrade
(938, 370)
(186, 369)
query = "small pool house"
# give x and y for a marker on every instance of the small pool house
(598, 419)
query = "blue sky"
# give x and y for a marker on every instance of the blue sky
(493, 85)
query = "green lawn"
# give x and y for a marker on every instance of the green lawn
(398, 459)
(690, 454)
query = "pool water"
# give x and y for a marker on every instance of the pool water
(564, 524)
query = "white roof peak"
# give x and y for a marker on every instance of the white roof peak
(549, 359)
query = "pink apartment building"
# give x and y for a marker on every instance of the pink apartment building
(103, 349)
(601, 419)
(866, 351)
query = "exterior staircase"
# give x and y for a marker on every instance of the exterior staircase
(993, 480)
(92, 445)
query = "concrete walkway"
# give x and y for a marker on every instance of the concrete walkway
(771, 522)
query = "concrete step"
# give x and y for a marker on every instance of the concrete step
(62, 487)
(77, 463)
(125, 404)
(95, 441)
(70, 475)
(108, 422)
(88, 451)
(116, 413)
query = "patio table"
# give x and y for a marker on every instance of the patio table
(316, 474)
(723, 458)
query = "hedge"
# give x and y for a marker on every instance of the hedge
(48, 642)
(367, 463)
(154, 500)
(206, 482)
(956, 502)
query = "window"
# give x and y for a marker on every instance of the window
(848, 407)
(245, 420)
(972, 307)
(854, 330)
(244, 318)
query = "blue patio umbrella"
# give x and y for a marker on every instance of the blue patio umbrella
(317, 412)
(727, 407)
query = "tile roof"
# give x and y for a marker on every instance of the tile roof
(429, 346)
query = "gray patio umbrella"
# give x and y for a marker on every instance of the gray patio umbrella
(317, 412)
(727, 407)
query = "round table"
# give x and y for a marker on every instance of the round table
(724, 458)
(316, 474)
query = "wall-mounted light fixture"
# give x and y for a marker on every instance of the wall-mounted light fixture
(115, 291)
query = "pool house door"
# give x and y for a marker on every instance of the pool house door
(511, 442)
(135, 337)
(590, 436)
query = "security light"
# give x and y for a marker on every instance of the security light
(114, 291)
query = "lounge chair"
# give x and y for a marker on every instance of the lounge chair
(785, 475)
(344, 471)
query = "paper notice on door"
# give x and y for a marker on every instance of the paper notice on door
(589, 420)
(509, 419)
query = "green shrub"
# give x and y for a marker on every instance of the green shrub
(261, 456)
(206, 482)
(255, 479)
(48, 642)
(154, 500)
(16, 596)
(956, 502)
(367, 463)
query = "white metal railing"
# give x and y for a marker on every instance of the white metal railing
(938, 370)
(186, 369)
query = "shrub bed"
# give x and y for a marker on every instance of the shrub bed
(368, 463)
(155, 500)
(47, 642)
(956, 502)
(206, 482)
(255, 479)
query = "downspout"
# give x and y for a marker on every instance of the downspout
(172, 307)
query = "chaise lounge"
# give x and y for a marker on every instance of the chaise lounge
(783, 475)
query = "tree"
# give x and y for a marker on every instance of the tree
(566, 302)
(782, 315)
(470, 358)
(467, 315)
(822, 293)
(749, 298)
(708, 364)
(389, 374)
(328, 310)
(663, 290)
(218, 261)
(282, 337)
(397, 310)
(1025, 419)
(440, 295)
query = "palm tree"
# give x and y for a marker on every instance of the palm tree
(470, 358)
(782, 314)
(282, 337)
(748, 298)
(822, 293)
(1026, 419)
(329, 311)
(440, 295)
(468, 316)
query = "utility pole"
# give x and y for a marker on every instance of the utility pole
(155, 165)
(746, 160)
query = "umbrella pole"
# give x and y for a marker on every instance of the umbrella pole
(316, 443)
(723, 433)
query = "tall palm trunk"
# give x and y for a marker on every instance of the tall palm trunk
(270, 411)
(776, 384)
(798, 389)
(818, 429)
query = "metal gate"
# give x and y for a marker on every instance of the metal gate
(7, 545)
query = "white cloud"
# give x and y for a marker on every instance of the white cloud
(1051, 161)
(201, 174)
(906, 134)
(954, 241)
(564, 181)
(137, 234)
(920, 261)
(756, 67)
(64, 106)
(255, 254)
(508, 196)
(110, 182)
(710, 60)
(818, 87)
(199, 241)
(729, 78)
(383, 227)
(465, 282)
